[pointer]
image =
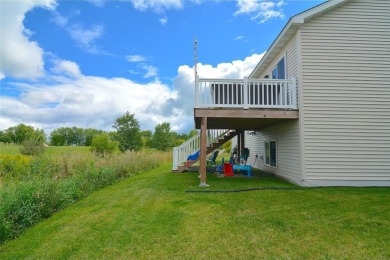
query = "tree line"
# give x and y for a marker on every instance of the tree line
(127, 134)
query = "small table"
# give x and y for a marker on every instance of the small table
(243, 167)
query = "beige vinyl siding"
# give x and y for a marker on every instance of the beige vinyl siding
(286, 136)
(252, 142)
(290, 54)
(346, 92)
(291, 57)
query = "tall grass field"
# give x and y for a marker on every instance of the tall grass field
(33, 188)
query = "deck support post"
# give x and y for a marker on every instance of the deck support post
(238, 146)
(241, 144)
(202, 156)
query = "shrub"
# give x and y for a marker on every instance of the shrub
(102, 145)
(14, 165)
(32, 147)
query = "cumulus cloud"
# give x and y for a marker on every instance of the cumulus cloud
(69, 68)
(234, 69)
(16, 47)
(260, 10)
(87, 101)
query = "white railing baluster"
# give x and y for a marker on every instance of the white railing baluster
(245, 93)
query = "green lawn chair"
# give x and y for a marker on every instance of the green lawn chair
(212, 158)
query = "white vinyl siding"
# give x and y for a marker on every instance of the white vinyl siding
(286, 136)
(346, 92)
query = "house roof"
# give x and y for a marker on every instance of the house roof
(289, 30)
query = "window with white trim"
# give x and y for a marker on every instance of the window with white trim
(270, 153)
(279, 71)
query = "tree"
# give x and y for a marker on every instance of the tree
(89, 134)
(20, 133)
(163, 138)
(102, 144)
(39, 136)
(146, 137)
(5, 137)
(76, 136)
(193, 132)
(128, 132)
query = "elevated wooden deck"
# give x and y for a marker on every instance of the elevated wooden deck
(242, 119)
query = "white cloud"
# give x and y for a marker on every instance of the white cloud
(151, 71)
(260, 10)
(16, 47)
(136, 58)
(164, 20)
(69, 68)
(59, 19)
(87, 101)
(156, 5)
(86, 37)
(234, 69)
(240, 37)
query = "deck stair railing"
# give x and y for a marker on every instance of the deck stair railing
(246, 93)
(181, 152)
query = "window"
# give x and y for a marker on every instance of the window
(270, 153)
(279, 72)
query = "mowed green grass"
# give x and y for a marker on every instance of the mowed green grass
(151, 216)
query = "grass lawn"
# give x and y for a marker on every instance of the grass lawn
(151, 216)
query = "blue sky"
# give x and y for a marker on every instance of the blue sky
(84, 63)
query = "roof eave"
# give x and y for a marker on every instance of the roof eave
(289, 30)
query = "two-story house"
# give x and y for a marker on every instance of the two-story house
(316, 109)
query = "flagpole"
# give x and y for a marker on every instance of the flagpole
(195, 57)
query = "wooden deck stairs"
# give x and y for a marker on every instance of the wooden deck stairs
(213, 144)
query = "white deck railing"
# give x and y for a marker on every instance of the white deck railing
(245, 93)
(192, 145)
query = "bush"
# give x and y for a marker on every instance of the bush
(102, 145)
(32, 147)
(14, 165)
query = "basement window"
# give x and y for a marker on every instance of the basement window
(270, 153)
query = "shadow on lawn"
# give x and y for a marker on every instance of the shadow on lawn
(260, 180)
